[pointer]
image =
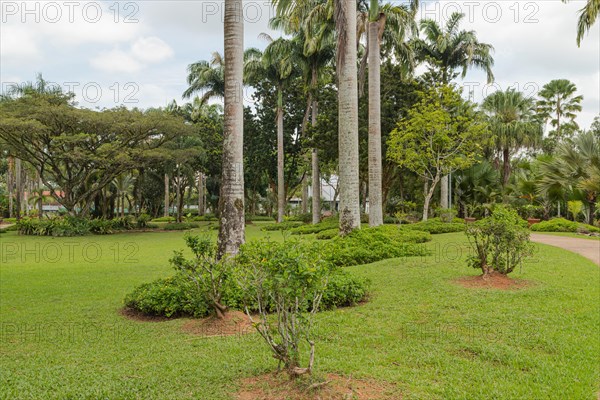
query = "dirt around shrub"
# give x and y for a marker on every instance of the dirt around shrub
(232, 324)
(494, 280)
(279, 387)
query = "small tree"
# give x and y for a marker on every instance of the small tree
(205, 270)
(500, 241)
(288, 279)
(442, 133)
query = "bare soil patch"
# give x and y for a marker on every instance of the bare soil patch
(135, 315)
(280, 387)
(492, 281)
(233, 323)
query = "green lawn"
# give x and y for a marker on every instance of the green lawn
(569, 234)
(62, 335)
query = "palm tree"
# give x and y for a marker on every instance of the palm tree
(344, 16)
(275, 65)
(576, 166)
(231, 201)
(391, 22)
(123, 185)
(446, 49)
(511, 121)
(315, 38)
(587, 18)
(558, 103)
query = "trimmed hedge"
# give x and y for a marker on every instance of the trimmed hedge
(176, 296)
(328, 234)
(316, 228)
(563, 225)
(367, 245)
(436, 226)
(283, 226)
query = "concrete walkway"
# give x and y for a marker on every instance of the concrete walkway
(588, 248)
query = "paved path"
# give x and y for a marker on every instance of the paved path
(585, 247)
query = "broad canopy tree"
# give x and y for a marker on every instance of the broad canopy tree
(78, 152)
(442, 133)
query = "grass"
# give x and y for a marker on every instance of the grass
(569, 234)
(62, 335)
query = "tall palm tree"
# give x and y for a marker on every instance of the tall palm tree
(344, 17)
(315, 38)
(576, 166)
(207, 77)
(391, 22)
(587, 18)
(231, 200)
(123, 185)
(559, 105)
(276, 65)
(446, 49)
(511, 121)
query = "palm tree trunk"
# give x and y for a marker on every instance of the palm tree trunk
(375, 195)
(280, 172)
(348, 116)
(201, 206)
(506, 166)
(316, 176)
(231, 201)
(123, 205)
(166, 210)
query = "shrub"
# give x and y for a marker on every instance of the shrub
(367, 245)
(164, 219)
(388, 219)
(562, 225)
(283, 226)
(328, 234)
(436, 226)
(446, 214)
(180, 226)
(291, 278)
(344, 290)
(207, 217)
(142, 221)
(500, 241)
(205, 271)
(101, 226)
(259, 218)
(329, 223)
(67, 226)
(304, 218)
(9, 220)
(167, 297)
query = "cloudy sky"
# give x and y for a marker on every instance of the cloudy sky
(136, 52)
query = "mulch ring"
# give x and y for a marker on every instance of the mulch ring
(335, 387)
(232, 324)
(493, 280)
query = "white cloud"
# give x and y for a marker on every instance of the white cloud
(115, 61)
(151, 49)
(17, 45)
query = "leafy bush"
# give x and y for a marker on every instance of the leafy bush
(388, 219)
(291, 278)
(207, 217)
(563, 225)
(437, 226)
(283, 226)
(328, 234)
(180, 296)
(500, 241)
(304, 218)
(9, 220)
(344, 290)
(101, 226)
(329, 223)
(259, 218)
(142, 221)
(180, 226)
(367, 245)
(446, 214)
(168, 297)
(164, 219)
(67, 226)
